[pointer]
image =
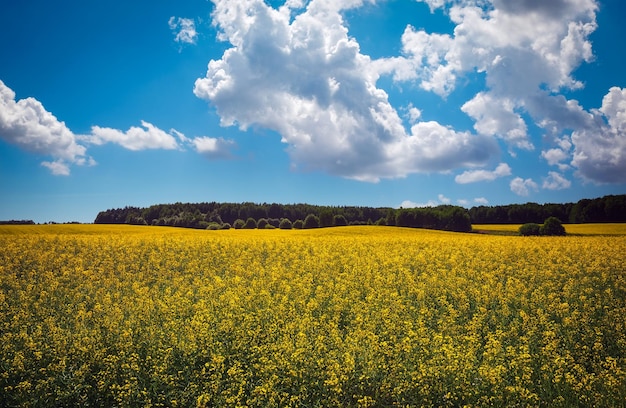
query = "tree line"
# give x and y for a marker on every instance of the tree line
(252, 215)
(610, 208)
(215, 215)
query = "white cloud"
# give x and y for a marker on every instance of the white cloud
(135, 138)
(412, 204)
(57, 168)
(481, 201)
(474, 176)
(443, 199)
(28, 125)
(528, 51)
(306, 79)
(523, 187)
(600, 150)
(184, 30)
(462, 202)
(556, 181)
(498, 117)
(554, 156)
(214, 148)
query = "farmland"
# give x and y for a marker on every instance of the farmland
(101, 315)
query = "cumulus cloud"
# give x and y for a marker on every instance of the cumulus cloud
(481, 201)
(527, 50)
(412, 204)
(302, 76)
(556, 181)
(474, 176)
(523, 187)
(28, 125)
(213, 148)
(184, 30)
(443, 199)
(136, 138)
(600, 150)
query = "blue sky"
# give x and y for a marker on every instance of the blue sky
(333, 102)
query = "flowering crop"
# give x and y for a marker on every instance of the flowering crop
(351, 316)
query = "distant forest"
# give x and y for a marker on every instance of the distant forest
(214, 215)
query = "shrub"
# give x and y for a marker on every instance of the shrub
(298, 224)
(382, 222)
(311, 221)
(250, 223)
(225, 226)
(239, 224)
(262, 223)
(552, 226)
(339, 220)
(285, 224)
(275, 222)
(530, 229)
(213, 226)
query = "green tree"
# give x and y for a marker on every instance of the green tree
(298, 224)
(250, 223)
(552, 226)
(311, 221)
(239, 223)
(339, 220)
(325, 219)
(285, 224)
(262, 223)
(530, 229)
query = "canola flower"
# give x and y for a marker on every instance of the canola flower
(354, 316)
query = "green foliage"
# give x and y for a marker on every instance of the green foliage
(381, 222)
(262, 223)
(339, 220)
(285, 224)
(444, 217)
(552, 226)
(274, 222)
(311, 221)
(326, 219)
(213, 226)
(225, 226)
(530, 229)
(250, 223)
(298, 224)
(239, 223)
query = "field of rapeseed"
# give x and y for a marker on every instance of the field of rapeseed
(353, 316)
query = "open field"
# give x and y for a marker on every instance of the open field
(571, 229)
(348, 316)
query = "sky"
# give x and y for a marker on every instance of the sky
(382, 103)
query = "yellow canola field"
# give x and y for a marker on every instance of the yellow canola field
(572, 229)
(353, 316)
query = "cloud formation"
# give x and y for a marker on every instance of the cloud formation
(136, 138)
(184, 30)
(523, 187)
(301, 75)
(28, 125)
(600, 150)
(528, 51)
(296, 71)
(556, 181)
(474, 176)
